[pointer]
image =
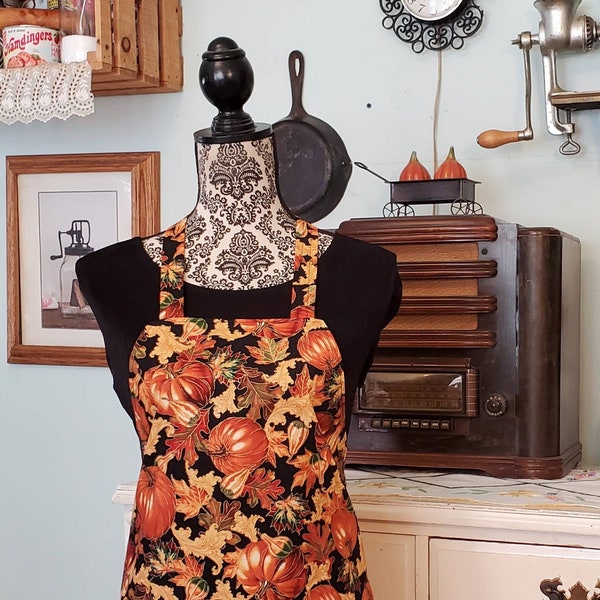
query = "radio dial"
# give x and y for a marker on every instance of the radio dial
(496, 405)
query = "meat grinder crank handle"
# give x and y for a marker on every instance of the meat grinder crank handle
(492, 138)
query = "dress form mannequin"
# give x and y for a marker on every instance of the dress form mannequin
(240, 235)
(359, 288)
(236, 340)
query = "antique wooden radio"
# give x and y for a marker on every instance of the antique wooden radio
(479, 370)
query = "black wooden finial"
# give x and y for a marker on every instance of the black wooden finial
(227, 81)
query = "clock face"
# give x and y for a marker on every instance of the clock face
(431, 10)
(433, 24)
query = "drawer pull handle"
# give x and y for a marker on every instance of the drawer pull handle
(550, 588)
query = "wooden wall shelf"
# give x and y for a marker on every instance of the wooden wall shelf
(24, 16)
(139, 44)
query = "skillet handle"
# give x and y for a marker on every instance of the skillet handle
(296, 67)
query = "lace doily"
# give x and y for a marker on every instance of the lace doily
(46, 91)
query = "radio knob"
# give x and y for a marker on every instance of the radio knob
(495, 405)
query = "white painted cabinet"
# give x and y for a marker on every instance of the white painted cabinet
(495, 571)
(391, 561)
(433, 536)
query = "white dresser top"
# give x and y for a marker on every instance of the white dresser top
(474, 506)
(578, 492)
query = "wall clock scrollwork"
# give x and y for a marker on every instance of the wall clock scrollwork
(432, 24)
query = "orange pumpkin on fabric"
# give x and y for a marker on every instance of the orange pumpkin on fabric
(142, 424)
(128, 569)
(323, 592)
(182, 381)
(367, 592)
(302, 312)
(237, 443)
(325, 429)
(155, 502)
(271, 328)
(344, 530)
(275, 578)
(319, 349)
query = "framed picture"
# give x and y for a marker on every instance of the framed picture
(59, 208)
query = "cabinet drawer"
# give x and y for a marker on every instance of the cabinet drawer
(391, 564)
(496, 571)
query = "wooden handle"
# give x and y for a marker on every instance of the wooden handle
(492, 138)
(22, 16)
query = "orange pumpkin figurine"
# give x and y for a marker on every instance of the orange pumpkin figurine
(414, 170)
(450, 168)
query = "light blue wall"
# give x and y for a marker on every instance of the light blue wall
(66, 442)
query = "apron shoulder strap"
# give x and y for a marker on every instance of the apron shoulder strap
(172, 271)
(304, 284)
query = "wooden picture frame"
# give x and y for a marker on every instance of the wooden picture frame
(114, 196)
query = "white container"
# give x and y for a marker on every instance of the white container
(29, 45)
(75, 48)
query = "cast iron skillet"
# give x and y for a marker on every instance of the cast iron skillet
(313, 164)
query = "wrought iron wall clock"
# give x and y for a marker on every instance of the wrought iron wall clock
(432, 24)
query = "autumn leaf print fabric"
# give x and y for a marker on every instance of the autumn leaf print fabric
(241, 492)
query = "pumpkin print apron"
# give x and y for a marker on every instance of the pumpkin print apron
(241, 492)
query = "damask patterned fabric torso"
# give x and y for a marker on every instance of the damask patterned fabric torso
(240, 235)
(241, 492)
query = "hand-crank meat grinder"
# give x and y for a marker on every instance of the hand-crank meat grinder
(560, 30)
